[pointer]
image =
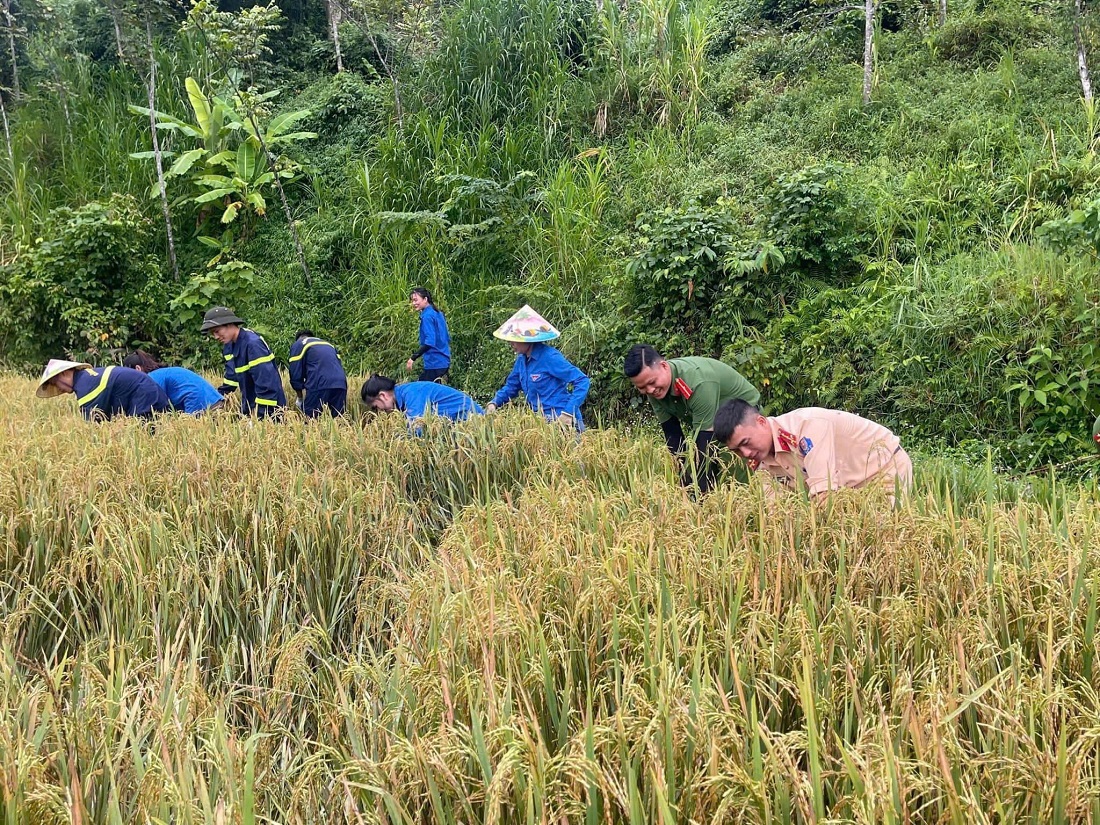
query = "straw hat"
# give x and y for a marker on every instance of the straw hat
(219, 317)
(53, 369)
(526, 326)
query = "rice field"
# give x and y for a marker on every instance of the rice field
(224, 623)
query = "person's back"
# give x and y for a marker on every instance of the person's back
(187, 391)
(316, 371)
(110, 391)
(418, 398)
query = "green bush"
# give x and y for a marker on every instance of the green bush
(980, 40)
(89, 284)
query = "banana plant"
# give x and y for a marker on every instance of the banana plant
(228, 165)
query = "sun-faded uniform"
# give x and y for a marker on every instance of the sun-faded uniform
(823, 450)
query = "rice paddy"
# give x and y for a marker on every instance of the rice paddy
(497, 623)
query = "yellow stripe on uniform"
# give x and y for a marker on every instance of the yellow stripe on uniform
(229, 383)
(256, 363)
(298, 357)
(98, 391)
(267, 402)
(228, 357)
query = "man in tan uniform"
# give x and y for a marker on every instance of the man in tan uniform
(816, 448)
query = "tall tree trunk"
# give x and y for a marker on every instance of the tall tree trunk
(9, 18)
(943, 13)
(1082, 61)
(334, 18)
(869, 47)
(7, 135)
(118, 30)
(156, 148)
(398, 109)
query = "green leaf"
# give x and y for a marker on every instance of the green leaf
(214, 194)
(183, 165)
(230, 213)
(200, 105)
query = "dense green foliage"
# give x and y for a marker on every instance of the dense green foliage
(702, 176)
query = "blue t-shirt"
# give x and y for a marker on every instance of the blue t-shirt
(188, 391)
(417, 398)
(435, 337)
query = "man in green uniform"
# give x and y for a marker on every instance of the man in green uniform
(686, 393)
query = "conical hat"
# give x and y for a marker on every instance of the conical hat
(526, 326)
(53, 369)
(1096, 430)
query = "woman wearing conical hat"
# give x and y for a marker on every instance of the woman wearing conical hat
(550, 384)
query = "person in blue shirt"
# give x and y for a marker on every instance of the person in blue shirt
(187, 391)
(551, 385)
(249, 364)
(418, 399)
(103, 392)
(315, 369)
(435, 340)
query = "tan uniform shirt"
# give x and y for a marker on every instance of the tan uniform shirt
(828, 449)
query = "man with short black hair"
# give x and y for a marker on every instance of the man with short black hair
(817, 449)
(685, 393)
(316, 371)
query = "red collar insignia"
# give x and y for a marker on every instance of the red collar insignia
(681, 389)
(787, 441)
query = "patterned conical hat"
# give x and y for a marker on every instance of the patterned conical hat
(53, 369)
(1096, 430)
(526, 326)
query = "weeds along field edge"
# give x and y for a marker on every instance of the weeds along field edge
(219, 622)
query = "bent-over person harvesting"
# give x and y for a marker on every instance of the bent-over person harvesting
(817, 449)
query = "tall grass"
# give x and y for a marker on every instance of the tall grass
(496, 623)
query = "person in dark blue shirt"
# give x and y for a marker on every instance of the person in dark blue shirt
(104, 392)
(551, 385)
(249, 364)
(435, 340)
(315, 369)
(187, 391)
(418, 399)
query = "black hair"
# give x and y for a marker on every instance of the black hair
(640, 357)
(730, 416)
(376, 384)
(304, 333)
(140, 359)
(423, 293)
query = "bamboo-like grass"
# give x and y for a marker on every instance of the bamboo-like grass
(217, 622)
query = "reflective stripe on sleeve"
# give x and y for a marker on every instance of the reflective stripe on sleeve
(256, 363)
(267, 402)
(98, 391)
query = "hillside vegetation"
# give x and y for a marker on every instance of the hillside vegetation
(703, 176)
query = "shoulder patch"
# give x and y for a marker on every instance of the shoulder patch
(681, 388)
(804, 446)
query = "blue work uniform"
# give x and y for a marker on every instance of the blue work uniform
(418, 398)
(315, 367)
(435, 343)
(188, 392)
(550, 384)
(250, 367)
(109, 391)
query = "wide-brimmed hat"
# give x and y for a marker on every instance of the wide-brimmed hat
(53, 369)
(219, 317)
(527, 326)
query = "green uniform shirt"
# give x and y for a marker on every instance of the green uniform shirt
(699, 387)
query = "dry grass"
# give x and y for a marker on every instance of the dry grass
(223, 623)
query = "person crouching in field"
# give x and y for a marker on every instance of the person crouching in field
(418, 399)
(103, 392)
(249, 364)
(817, 449)
(188, 392)
(685, 394)
(316, 371)
(552, 386)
